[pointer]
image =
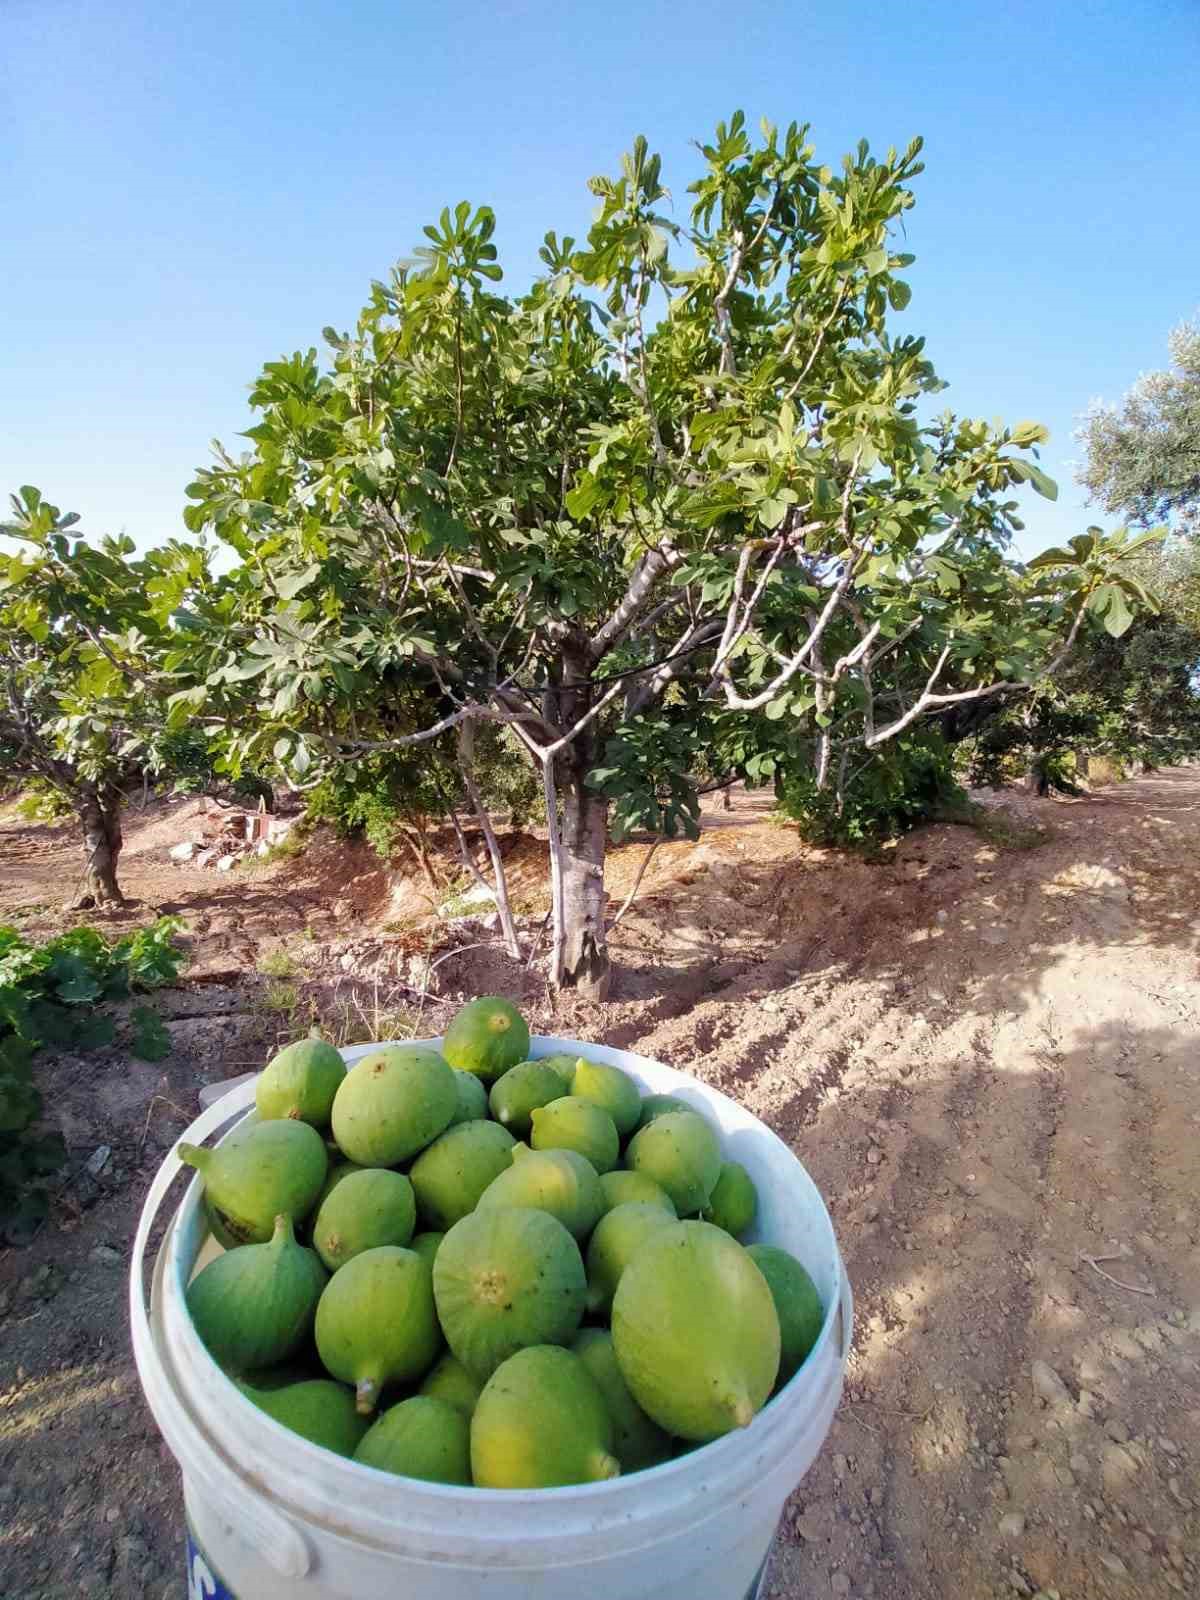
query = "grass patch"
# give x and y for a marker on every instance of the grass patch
(277, 964)
(282, 997)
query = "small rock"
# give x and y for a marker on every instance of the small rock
(1012, 1525)
(1144, 1542)
(1048, 1386)
(876, 1497)
(226, 863)
(1117, 1468)
(874, 1157)
(839, 1466)
(1169, 1446)
(840, 1583)
(104, 1255)
(1114, 1564)
(183, 851)
(112, 1514)
(1078, 1465)
(98, 1160)
(1116, 1430)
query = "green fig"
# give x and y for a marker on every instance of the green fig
(618, 1236)
(571, 1124)
(393, 1103)
(472, 1098)
(521, 1090)
(426, 1246)
(338, 1169)
(486, 1037)
(376, 1322)
(733, 1204)
(801, 1314)
(300, 1082)
(637, 1442)
(449, 1176)
(659, 1105)
(259, 1172)
(541, 1421)
(564, 1064)
(612, 1090)
(680, 1152)
(696, 1331)
(420, 1438)
(451, 1381)
(318, 1410)
(254, 1305)
(562, 1182)
(367, 1209)
(621, 1187)
(506, 1278)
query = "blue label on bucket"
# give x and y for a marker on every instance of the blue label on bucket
(202, 1583)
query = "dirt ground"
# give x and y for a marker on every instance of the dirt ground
(986, 1054)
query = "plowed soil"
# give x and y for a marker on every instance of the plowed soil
(986, 1055)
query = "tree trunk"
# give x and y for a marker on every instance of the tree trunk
(99, 809)
(582, 844)
(577, 825)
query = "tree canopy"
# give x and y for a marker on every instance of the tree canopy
(1143, 456)
(83, 627)
(673, 505)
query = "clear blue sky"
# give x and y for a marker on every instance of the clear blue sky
(192, 189)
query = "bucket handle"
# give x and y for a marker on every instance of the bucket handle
(272, 1535)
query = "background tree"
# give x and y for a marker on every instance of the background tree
(82, 627)
(674, 499)
(1143, 456)
(1132, 694)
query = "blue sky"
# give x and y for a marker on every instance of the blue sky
(190, 190)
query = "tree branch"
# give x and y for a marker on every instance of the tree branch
(645, 575)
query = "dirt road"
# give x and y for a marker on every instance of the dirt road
(988, 1058)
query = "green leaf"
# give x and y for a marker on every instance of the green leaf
(1056, 556)
(771, 512)
(151, 1040)
(1109, 603)
(1029, 433)
(290, 586)
(1044, 485)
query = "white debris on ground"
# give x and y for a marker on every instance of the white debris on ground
(223, 836)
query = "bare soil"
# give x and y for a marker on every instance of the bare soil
(986, 1055)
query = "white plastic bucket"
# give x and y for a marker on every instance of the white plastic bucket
(272, 1517)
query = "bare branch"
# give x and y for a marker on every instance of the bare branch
(637, 883)
(838, 303)
(466, 765)
(739, 702)
(670, 669)
(645, 575)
